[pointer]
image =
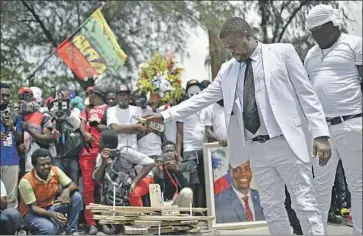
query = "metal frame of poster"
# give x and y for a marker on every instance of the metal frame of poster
(220, 180)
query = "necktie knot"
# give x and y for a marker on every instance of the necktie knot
(245, 198)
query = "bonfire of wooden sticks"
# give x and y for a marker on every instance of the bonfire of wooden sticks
(152, 220)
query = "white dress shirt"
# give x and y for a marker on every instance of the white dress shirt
(116, 115)
(215, 118)
(250, 202)
(335, 77)
(268, 122)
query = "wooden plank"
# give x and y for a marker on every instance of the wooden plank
(168, 229)
(135, 230)
(154, 218)
(155, 196)
(163, 223)
(141, 209)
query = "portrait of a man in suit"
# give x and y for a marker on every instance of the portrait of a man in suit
(239, 203)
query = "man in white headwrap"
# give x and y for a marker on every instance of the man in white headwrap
(334, 66)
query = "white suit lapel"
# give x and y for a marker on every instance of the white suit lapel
(230, 88)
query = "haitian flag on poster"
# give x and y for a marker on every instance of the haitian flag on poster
(93, 50)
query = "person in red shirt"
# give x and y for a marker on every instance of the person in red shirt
(91, 128)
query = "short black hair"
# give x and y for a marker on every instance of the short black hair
(236, 26)
(168, 142)
(4, 85)
(109, 139)
(38, 153)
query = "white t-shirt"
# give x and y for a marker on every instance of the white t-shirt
(170, 131)
(116, 115)
(335, 77)
(215, 118)
(3, 192)
(194, 130)
(150, 144)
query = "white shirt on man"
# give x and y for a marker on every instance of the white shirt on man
(335, 77)
(150, 144)
(194, 131)
(215, 118)
(250, 202)
(267, 127)
(116, 115)
(3, 192)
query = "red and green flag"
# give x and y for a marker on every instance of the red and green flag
(93, 50)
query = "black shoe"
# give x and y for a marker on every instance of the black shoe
(92, 230)
(333, 219)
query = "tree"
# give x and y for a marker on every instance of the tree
(31, 30)
(278, 21)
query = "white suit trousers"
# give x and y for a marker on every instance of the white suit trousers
(346, 140)
(273, 165)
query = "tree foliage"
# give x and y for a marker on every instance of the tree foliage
(30, 31)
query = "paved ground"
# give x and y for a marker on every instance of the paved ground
(332, 230)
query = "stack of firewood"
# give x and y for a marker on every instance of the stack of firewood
(152, 220)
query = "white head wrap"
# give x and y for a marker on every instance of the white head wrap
(322, 14)
(38, 93)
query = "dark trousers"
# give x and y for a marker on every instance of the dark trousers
(294, 221)
(69, 166)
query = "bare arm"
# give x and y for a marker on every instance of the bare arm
(37, 210)
(143, 173)
(211, 135)
(3, 203)
(129, 129)
(179, 137)
(99, 172)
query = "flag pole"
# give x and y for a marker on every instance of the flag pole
(30, 78)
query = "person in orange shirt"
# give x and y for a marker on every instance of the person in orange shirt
(38, 189)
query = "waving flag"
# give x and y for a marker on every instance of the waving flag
(93, 49)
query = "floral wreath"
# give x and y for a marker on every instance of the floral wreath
(160, 76)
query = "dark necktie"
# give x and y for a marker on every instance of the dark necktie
(250, 112)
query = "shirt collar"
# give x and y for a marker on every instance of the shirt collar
(51, 174)
(241, 195)
(256, 54)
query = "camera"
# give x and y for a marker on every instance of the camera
(115, 153)
(28, 107)
(165, 157)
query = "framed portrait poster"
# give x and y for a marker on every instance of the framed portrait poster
(232, 197)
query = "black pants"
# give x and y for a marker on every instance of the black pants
(193, 170)
(294, 221)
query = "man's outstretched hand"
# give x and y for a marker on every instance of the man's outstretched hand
(156, 117)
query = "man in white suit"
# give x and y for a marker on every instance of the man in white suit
(269, 108)
(334, 66)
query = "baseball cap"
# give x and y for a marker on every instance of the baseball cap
(192, 82)
(99, 90)
(124, 89)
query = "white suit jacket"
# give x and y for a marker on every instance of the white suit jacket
(294, 103)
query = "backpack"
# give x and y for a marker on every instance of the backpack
(71, 139)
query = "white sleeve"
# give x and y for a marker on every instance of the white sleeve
(358, 51)
(111, 116)
(3, 190)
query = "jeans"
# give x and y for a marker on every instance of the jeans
(46, 226)
(69, 166)
(9, 221)
(10, 175)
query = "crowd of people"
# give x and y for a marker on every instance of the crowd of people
(51, 146)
